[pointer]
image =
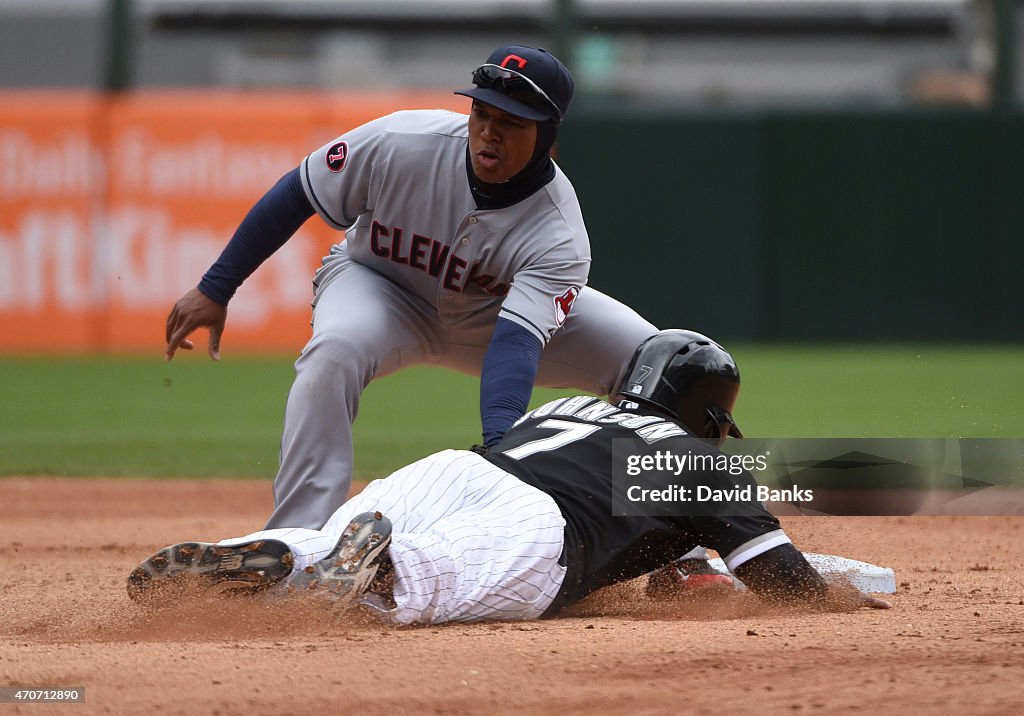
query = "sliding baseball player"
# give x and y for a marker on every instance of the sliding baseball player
(528, 527)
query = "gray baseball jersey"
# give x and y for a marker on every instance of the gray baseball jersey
(398, 187)
(420, 280)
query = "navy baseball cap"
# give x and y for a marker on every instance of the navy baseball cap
(527, 82)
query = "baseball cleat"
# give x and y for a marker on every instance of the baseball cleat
(348, 570)
(687, 578)
(211, 569)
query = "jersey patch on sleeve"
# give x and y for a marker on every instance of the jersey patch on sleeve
(563, 304)
(336, 156)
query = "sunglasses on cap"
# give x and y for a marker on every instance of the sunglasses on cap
(515, 85)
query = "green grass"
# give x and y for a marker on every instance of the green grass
(881, 391)
(193, 417)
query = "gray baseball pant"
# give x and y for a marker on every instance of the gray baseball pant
(365, 326)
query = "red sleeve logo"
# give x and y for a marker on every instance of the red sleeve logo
(336, 156)
(563, 304)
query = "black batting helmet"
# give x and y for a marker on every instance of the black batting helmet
(687, 376)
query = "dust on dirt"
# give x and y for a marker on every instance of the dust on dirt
(953, 641)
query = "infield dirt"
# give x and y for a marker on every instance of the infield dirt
(952, 643)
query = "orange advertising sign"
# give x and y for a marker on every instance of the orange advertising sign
(112, 208)
(52, 171)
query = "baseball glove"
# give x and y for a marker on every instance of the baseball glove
(687, 578)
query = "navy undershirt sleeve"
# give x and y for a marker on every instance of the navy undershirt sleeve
(265, 229)
(506, 380)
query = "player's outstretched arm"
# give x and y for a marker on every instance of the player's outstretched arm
(191, 311)
(266, 228)
(782, 574)
(506, 379)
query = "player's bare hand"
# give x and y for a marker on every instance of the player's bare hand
(194, 310)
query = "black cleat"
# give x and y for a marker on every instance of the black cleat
(211, 569)
(347, 572)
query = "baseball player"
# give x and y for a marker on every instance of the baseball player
(530, 526)
(465, 247)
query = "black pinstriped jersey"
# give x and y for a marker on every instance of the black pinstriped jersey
(565, 448)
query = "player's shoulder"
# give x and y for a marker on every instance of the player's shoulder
(557, 201)
(561, 187)
(573, 407)
(424, 122)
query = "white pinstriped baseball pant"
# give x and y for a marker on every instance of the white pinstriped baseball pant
(470, 542)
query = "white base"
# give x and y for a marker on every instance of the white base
(864, 576)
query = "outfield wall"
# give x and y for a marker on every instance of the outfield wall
(814, 225)
(754, 225)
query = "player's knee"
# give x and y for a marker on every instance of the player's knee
(341, 353)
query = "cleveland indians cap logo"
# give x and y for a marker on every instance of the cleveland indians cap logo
(520, 62)
(336, 156)
(563, 304)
